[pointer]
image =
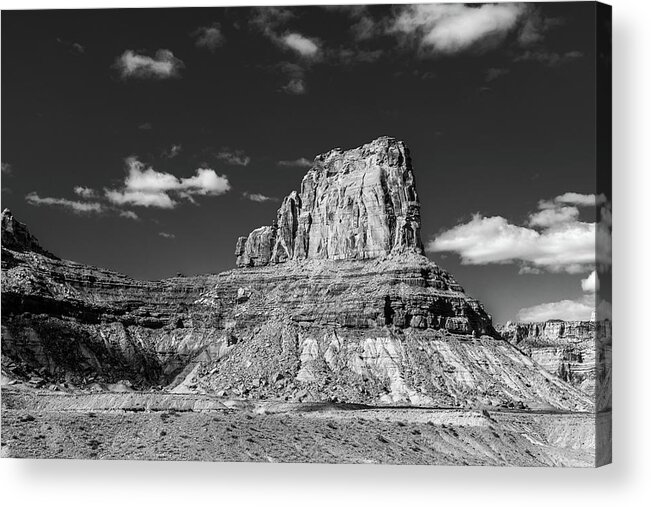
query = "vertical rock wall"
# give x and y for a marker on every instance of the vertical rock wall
(355, 204)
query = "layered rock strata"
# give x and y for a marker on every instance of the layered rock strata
(579, 352)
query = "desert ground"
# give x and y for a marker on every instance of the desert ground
(161, 426)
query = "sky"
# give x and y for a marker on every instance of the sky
(148, 140)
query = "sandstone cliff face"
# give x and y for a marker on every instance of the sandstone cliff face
(335, 301)
(579, 352)
(355, 204)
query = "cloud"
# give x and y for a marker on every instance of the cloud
(129, 214)
(164, 65)
(73, 47)
(582, 308)
(554, 239)
(6, 168)
(271, 22)
(295, 75)
(551, 217)
(494, 73)
(80, 207)
(365, 28)
(304, 46)
(586, 200)
(267, 19)
(139, 198)
(144, 126)
(75, 206)
(174, 150)
(237, 157)
(349, 56)
(299, 162)
(144, 186)
(567, 309)
(85, 192)
(209, 37)
(447, 29)
(591, 283)
(294, 87)
(535, 26)
(258, 197)
(550, 59)
(167, 235)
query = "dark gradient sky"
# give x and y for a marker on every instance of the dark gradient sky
(495, 147)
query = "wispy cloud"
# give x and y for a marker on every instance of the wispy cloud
(146, 187)
(163, 65)
(129, 214)
(6, 168)
(74, 206)
(85, 192)
(145, 126)
(91, 205)
(73, 47)
(575, 199)
(495, 73)
(365, 26)
(550, 59)
(167, 235)
(295, 76)
(236, 157)
(294, 87)
(299, 162)
(272, 22)
(174, 150)
(259, 197)
(209, 37)
(554, 239)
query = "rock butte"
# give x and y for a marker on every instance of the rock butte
(355, 204)
(335, 301)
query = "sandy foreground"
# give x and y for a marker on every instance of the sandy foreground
(161, 426)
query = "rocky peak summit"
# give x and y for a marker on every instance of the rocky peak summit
(354, 204)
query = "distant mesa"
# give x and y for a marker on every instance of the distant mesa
(353, 205)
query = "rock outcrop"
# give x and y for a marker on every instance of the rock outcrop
(355, 204)
(335, 301)
(578, 352)
(16, 236)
